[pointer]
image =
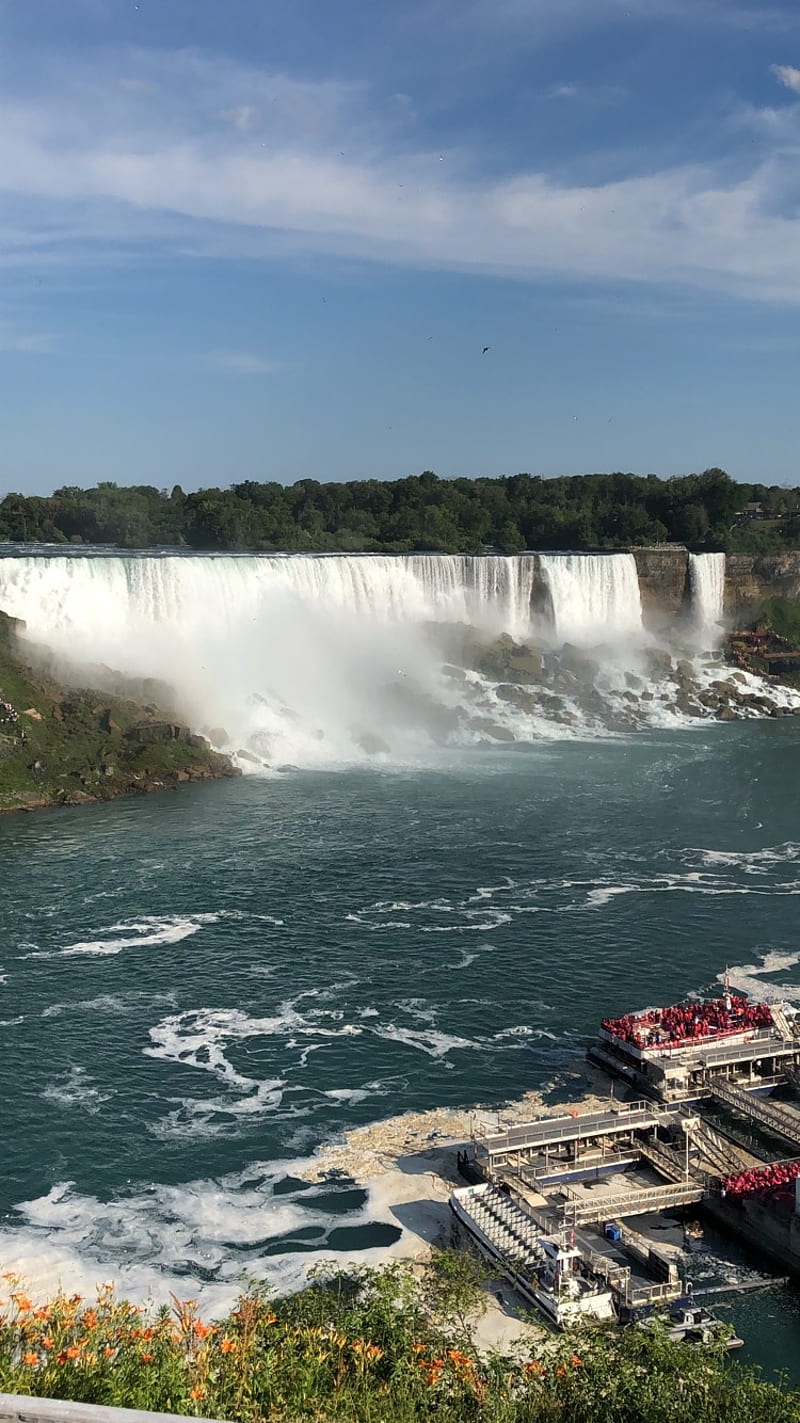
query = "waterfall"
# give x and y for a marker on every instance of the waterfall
(595, 597)
(94, 594)
(707, 584)
(303, 658)
(321, 659)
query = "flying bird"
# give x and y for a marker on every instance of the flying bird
(485, 349)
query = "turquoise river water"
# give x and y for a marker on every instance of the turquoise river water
(200, 989)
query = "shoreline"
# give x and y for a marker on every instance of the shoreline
(407, 1166)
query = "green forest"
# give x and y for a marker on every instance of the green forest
(420, 513)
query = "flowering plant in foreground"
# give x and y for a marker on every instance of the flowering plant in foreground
(377, 1345)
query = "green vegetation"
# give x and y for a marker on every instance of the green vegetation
(769, 641)
(781, 616)
(62, 745)
(422, 512)
(365, 1346)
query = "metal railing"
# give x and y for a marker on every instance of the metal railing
(665, 1161)
(780, 1121)
(550, 1131)
(652, 1198)
(723, 1154)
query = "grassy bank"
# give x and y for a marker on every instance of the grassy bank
(66, 746)
(366, 1347)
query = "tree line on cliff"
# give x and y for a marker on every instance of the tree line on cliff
(418, 513)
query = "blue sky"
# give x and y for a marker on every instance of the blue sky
(270, 238)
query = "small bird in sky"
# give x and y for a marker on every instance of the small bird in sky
(485, 349)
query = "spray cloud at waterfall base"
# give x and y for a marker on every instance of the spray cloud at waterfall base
(315, 660)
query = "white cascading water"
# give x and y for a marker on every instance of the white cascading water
(315, 660)
(301, 659)
(595, 597)
(707, 586)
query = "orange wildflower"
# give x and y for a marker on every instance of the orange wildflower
(89, 1319)
(73, 1352)
(30, 1359)
(22, 1302)
(197, 1393)
(534, 1368)
(109, 1350)
(43, 1315)
(47, 1341)
(459, 1360)
(147, 1358)
(561, 1372)
(369, 1351)
(576, 1362)
(202, 1330)
(61, 1357)
(227, 1345)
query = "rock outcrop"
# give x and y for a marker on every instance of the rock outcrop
(663, 584)
(750, 579)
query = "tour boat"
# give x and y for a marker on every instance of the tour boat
(690, 1323)
(546, 1270)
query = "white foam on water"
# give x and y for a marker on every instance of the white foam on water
(753, 978)
(182, 1239)
(74, 1088)
(754, 862)
(201, 1038)
(348, 1096)
(120, 1003)
(198, 1037)
(144, 933)
(148, 931)
(429, 1041)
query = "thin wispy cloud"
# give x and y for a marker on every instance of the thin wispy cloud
(333, 177)
(788, 76)
(135, 86)
(544, 16)
(244, 363)
(244, 117)
(26, 343)
(588, 93)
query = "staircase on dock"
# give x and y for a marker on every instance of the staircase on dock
(779, 1120)
(725, 1156)
(781, 1022)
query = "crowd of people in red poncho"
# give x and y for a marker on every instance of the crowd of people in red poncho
(761, 1178)
(669, 1027)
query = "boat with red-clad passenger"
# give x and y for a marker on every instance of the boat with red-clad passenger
(669, 1052)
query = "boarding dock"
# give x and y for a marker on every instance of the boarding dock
(575, 1203)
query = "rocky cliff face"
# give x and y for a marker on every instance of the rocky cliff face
(67, 746)
(663, 583)
(751, 578)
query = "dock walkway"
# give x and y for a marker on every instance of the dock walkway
(533, 1137)
(654, 1198)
